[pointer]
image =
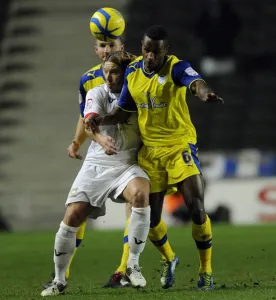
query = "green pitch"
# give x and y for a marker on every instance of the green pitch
(244, 265)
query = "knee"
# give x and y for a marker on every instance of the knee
(139, 198)
(75, 214)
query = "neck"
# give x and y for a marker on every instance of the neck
(116, 90)
(157, 69)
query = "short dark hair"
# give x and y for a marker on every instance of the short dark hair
(157, 33)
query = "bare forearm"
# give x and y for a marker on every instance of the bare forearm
(80, 135)
(94, 134)
(201, 89)
(107, 142)
(117, 116)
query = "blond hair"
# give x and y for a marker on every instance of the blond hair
(120, 58)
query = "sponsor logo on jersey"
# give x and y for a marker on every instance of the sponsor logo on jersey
(151, 102)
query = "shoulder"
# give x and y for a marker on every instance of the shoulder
(136, 62)
(97, 92)
(172, 59)
(134, 65)
(92, 73)
(175, 61)
(183, 66)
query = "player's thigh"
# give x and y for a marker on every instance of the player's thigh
(76, 213)
(148, 160)
(123, 188)
(84, 181)
(137, 192)
(94, 184)
(192, 189)
(183, 163)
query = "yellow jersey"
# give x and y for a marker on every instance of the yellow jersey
(160, 100)
(89, 80)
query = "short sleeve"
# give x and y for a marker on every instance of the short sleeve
(93, 103)
(183, 74)
(126, 102)
(82, 95)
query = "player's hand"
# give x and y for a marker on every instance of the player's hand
(72, 150)
(213, 98)
(92, 122)
(108, 144)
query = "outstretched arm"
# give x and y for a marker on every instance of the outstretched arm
(204, 93)
(184, 75)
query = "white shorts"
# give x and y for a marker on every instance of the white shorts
(95, 184)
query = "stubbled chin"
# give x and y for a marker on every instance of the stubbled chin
(148, 69)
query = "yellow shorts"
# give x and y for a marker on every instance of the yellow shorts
(166, 166)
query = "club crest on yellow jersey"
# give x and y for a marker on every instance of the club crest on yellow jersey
(161, 79)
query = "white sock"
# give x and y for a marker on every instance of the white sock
(65, 244)
(138, 230)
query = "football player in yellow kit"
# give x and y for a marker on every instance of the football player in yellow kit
(155, 87)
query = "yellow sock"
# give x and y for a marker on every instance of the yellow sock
(202, 235)
(123, 265)
(158, 236)
(79, 239)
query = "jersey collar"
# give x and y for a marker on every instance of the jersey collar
(111, 95)
(150, 75)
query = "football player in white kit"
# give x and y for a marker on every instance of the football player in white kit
(102, 176)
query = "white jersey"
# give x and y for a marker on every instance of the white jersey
(105, 176)
(101, 101)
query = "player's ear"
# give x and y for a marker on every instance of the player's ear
(122, 47)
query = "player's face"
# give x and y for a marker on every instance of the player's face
(113, 76)
(154, 53)
(103, 49)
